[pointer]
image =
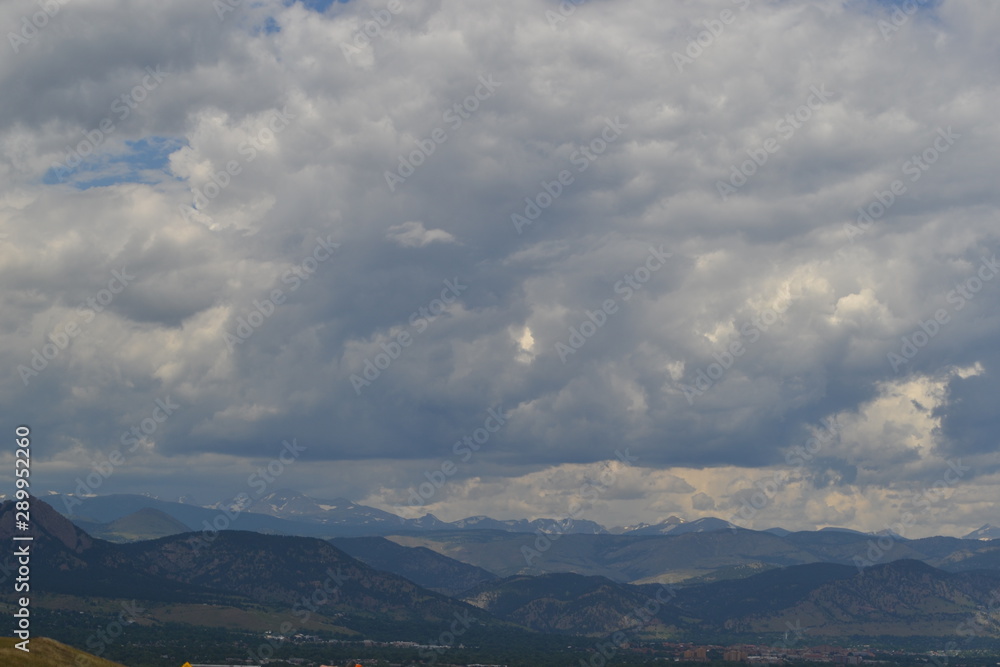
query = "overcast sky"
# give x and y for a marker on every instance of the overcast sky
(625, 226)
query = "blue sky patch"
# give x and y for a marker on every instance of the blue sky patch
(270, 26)
(142, 161)
(908, 6)
(317, 5)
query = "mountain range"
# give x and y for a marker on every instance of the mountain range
(985, 532)
(290, 512)
(694, 557)
(229, 570)
(673, 551)
(293, 513)
(390, 589)
(823, 599)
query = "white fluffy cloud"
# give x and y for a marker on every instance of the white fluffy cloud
(413, 234)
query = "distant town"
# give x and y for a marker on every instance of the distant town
(634, 653)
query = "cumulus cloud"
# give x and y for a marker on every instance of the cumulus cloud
(702, 502)
(412, 234)
(731, 249)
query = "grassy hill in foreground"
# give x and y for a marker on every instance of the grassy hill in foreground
(48, 653)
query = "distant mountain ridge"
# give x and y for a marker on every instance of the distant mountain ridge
(675, 526)
(671, 551)
(293, 513)
(549, 526)
(242, 570)
(285, 504)
(290, 512)
(985, 532)
(694, 557)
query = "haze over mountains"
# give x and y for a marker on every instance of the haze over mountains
(289, 512)
(295, 513)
